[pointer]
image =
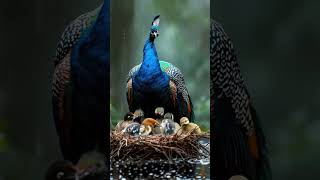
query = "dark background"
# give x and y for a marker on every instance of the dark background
(278, 45)
(29, 33)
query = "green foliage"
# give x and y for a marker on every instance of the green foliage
(202, 113)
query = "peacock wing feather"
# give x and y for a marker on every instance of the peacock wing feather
(239, 141)
(61, 104)
(90, 79)
(179, 93)
(73, 32)
(61, 76)
(63, 84)
(183, 98)
(130, 94)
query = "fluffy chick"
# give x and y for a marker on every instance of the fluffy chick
(92, 166)
(168, 115)
(149, 124)
(133, 129)
(159, 113)
(127, 119)
(61, 170)
(138, 115)
(169, 127)
(188, 128)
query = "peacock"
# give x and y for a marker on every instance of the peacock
(80, 86)
(239, 142)
(155, 83)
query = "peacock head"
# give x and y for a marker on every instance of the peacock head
(154, 32)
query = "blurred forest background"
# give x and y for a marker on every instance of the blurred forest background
(278, 45)
(183, 41)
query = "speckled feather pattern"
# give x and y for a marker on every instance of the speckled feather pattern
(61, 75)
(73, 32)
(226, 79)
(239, 144)
(61, 79)
(81, 41)
(70, 36)
(175, 75)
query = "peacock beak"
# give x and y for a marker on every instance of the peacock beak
(155, 34)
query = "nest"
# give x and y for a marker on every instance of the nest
(155, 147)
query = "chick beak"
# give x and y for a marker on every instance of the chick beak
(184, 123)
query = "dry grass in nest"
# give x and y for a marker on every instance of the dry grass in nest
(125, 147)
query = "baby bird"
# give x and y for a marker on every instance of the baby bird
(127, 119)
(149, 124)
(168, 116)
(168, 125)
(61, 170)
(138, 115)
(133, 129)
(159, 112)
(188, 127)
(136, 128)
(92, 166)
(157, 130)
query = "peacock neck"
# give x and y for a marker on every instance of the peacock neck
(150, 62)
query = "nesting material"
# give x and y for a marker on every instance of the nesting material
(126, 147)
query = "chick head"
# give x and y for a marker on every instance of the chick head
(184, 121)
(159, 111)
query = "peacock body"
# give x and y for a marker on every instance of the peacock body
(239, 143)
(155, 83)
(80, 84)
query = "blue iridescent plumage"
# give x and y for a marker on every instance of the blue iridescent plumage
(81, 104)
(156, 83)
